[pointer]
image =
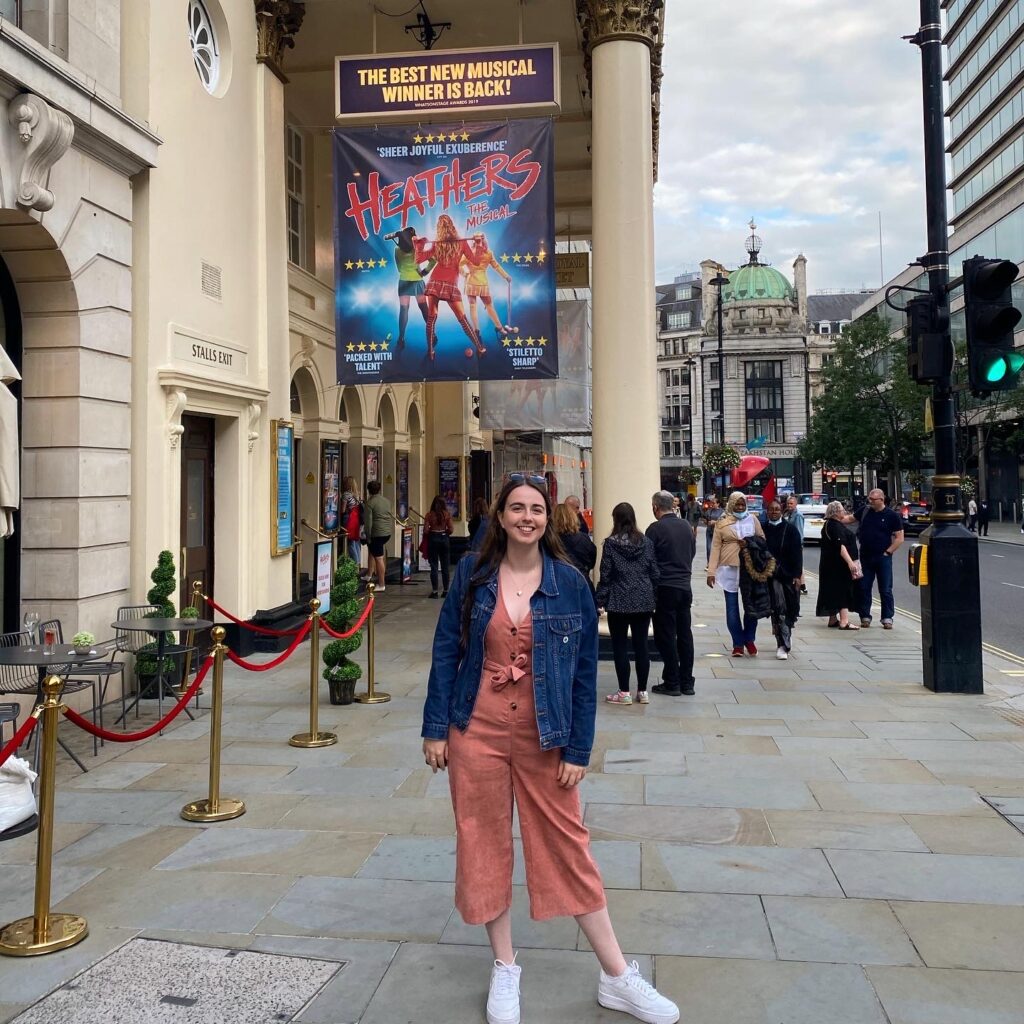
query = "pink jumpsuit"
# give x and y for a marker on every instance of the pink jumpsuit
(499, 758)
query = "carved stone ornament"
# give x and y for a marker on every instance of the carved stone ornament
(604, 20)
(277, 22)
(308, 353)
(255, 410)
(177, 400)
(45, 135)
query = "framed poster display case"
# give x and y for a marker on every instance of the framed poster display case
(282, 492)
(449, 483)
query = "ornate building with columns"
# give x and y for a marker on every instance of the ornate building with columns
(166, 274)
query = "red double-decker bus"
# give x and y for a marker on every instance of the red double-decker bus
(754, 475)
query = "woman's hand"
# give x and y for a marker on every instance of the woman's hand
(435, 753)
(570, 775)
(711, 580)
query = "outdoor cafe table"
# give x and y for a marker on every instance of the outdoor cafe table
(160, 627)
(58, 662)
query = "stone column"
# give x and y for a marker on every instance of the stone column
(620, 39)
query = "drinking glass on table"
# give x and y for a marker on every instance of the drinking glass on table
(31, 625)
(49, 640)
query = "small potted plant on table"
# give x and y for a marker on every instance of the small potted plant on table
(82, 642)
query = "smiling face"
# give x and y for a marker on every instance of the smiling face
(774, 511)
(524, 517)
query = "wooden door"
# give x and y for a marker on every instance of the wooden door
(197, 448)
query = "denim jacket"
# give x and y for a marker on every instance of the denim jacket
(564, 659)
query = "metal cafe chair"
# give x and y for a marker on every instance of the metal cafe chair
(9, 713)
(73, 685)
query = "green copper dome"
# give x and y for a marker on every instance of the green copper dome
(757, 283)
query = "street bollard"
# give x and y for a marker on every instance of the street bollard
(45, 932)
(372, 696)
(215, 807)
(314, 738)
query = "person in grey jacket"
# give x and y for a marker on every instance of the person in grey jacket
(627, 588)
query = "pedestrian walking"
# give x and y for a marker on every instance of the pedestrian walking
(839, 569)
(712, 514)
(731, 534)
(380, 524)
(795, 517)
(786, 548)
(574, 503)
(352, 516)
(438, 527)
(582, 551)
(626, 589)
(983, 518)
(972, 515)
(514, 721)
(880, 533)
(675, 544)
(694, 513)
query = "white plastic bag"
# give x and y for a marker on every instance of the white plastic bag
(17, 801)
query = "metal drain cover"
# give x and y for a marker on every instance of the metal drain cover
(148, 981)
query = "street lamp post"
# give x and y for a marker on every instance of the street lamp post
(690, 364)
(720, 281)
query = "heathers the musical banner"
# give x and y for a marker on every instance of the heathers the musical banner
(444, 242)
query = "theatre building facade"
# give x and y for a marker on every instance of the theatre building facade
(167, 275)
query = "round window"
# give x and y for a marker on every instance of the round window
(204, 45)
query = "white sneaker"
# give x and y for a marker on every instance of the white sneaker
(642, 697)
(632, 994)
(782, 654)
(503, 997)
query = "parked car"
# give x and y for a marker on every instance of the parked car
(917, 516)
(755, 504)
(814, 498)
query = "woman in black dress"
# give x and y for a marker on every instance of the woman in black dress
(837, 586)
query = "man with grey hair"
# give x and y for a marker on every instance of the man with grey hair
(674, 546)
(573, 504)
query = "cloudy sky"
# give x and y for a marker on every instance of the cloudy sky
(806, 115)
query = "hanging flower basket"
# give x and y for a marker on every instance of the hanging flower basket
(690, 475)
(717, 458)
(967, 488)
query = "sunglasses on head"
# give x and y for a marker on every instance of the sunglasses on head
(536, 479)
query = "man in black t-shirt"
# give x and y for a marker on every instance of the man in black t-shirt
(880, 533)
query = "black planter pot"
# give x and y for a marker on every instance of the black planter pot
(342, 691)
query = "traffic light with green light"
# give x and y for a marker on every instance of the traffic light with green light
(990, 318)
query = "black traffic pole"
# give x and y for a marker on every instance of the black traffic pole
(951, 597)
(721, 281)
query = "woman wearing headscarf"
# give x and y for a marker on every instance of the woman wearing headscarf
(839, 570)
(731, 534)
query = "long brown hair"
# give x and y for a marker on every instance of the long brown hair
(438, 507)
(495, 544)
(624, 523)
(448, 245)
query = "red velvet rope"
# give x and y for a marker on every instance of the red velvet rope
(132, 737)
(20, 736)
(278, 660)
(249, 625)
(355, 629)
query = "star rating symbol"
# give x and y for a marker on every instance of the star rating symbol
(541, 256)
(382, 263)
(430, 138)
(516, 258)
(360, 264)
(383, 346)
(350, 347)
(373, 346)
(528, 257)
(417, 138)
(507, 342)
(529, 341)
(519, 342)
(361, 346)
(349, 264)
(505, 257)
(465, 136)
(542, 341)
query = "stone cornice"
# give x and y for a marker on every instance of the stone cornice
(277, 22)
(605, 21)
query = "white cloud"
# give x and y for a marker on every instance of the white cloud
(806, 115)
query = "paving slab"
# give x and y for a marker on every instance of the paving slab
(930, 877)
(838, 931)
(882, 770)
(17, 893)
(367, 908)
(963, 935)
(826, 830)
(981, 836)
(124, 846)
(921, 995)
(737, 792)
(792, 766)
(730, 826)
(748, 869)
(729, 991)
(899, 799)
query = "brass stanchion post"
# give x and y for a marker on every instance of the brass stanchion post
(197, 596)
(45, 932)
(215, 807)
(371, 696)
(314, 738)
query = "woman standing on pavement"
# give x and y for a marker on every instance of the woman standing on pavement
(511, 705)
(731, 534)
(626, 590)
(578, 546)
(351, 518)
(786, 548)
(839, 569)
(438, 527)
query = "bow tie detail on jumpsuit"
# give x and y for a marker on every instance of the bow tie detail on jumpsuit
(499, 759)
